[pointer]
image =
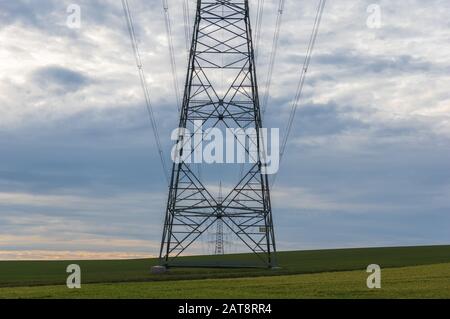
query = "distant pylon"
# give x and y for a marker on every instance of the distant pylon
(220, 249)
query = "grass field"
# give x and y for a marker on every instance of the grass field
(408, 272)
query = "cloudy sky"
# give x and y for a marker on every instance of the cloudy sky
(368, 163)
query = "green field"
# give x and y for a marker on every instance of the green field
(408, 272)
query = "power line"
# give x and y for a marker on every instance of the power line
(173, 64)
(301, 83)
(132, 33)
(259, 19)
(187, 25)
(273, 55)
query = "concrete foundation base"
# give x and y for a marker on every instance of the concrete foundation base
(156, 270)
(276, 268)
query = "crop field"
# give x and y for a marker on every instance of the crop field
(407, 272)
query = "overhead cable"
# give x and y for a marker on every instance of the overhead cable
(134, 43)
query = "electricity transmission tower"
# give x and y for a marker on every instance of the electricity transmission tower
(221, 91)
(219, 249)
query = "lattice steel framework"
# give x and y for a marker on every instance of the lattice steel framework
(219, 249)
(221, 44)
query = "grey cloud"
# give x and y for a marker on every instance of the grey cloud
(50, 16)
(27, 13)
(327, 119)
(59, 79)
(374, 64)
(85, 152)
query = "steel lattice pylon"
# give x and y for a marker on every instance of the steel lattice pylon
(221, 44)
